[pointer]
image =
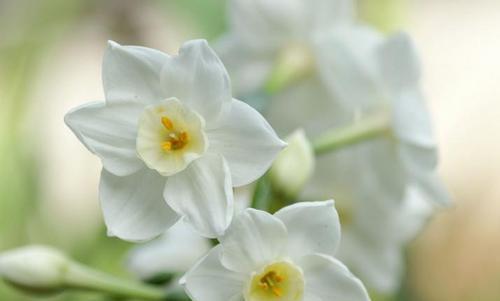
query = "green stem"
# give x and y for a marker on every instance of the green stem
(369, 128)
(82, 277)
(262, 194)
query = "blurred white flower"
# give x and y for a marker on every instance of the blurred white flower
(371, 181)
(176, 251)
(265, 36)
(356, 71)
(34, 268)
(285, 257)
(171, 117)
(294, 165)
(384, 167)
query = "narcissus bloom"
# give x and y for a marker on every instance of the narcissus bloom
(373, 180)
(172, 140)
(265, 36)
(285, 257)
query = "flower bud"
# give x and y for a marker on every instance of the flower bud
(34, 268)
(294, 165)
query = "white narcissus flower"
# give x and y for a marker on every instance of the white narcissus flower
(386, 166)
(374, 182)
(263, 34)
(287, 256)
(172, 140)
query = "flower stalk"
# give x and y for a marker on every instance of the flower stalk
(83, 278)
(369, 128)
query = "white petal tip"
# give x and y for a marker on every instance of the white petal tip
(109, 233)
(113, 44)
(182, 281)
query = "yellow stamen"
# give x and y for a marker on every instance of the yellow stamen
(183, 137)
(175, 140)
(167, 123)
(270, 282)
(277, 291)
(166, 146)
(277, 281)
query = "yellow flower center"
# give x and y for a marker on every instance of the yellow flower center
(271, 282)
(174, 140)
(170, 136)
(280, 281)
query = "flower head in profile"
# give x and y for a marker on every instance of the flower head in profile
(172, 140)
(287, 256)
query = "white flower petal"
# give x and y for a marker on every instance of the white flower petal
(347, 66)
(133, 206)
(203, 194)
(411, 121)
(110, 131)
(378, 263)
(381, 177)
(248, 69)
(373, 250)
(132, 73)
(308, 105)
(324, 14)
(175, 251)
(209, 280)
(328, 279)
(313, 227)
(398, 62)
(254, 238)
(264, 25)
(421, 164)
(246, 141)
(400, 70)
(199, 79)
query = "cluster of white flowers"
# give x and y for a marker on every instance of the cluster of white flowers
(174, 143)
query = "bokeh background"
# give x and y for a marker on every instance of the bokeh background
(50, 56)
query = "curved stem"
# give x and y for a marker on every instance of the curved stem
(366, 129)
(82, 277)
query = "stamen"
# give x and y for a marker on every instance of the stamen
(166, 146)
(167, 123)
(183, 137)
(175, 140)
(277, 291)
(270, 282)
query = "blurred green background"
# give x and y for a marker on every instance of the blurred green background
(50, 56)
